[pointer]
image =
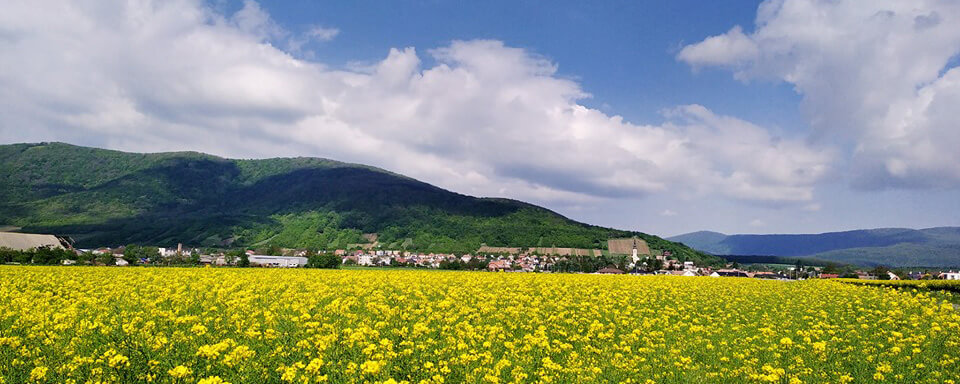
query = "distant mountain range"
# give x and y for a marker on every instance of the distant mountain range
(895, 247)
(106, 198)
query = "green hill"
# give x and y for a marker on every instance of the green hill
(895, 247)
(101, 197)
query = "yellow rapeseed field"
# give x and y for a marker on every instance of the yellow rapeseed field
(209, 325)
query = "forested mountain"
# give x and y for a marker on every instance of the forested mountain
(898, 247)
(103, 197)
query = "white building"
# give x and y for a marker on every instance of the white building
(365, 259)
(950, 275)
(278, 261)
(25, 241)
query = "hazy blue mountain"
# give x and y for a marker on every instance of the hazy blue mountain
(102, 197)
(934, 247)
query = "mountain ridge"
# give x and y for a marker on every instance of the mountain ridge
(105, 197)
(898, 247)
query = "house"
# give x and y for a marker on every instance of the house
(365, 259)
(608, 270)
(829, 276)
(893, 276)
(765, 275)
(731, 273)
(278, 261)
(950, 275)
(688, 272)
(498, 265)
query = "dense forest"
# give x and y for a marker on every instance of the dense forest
(103, 198)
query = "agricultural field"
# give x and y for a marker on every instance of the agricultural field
(209, 325)
(934, 285)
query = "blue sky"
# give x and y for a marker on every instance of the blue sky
(622, 53)
(782, 116)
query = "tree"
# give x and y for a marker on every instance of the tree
(132, 254)
(244, 260)
(49, 255)
(106, 258)
(151, 254)
(323, 260)
(831, 268)
(881, 272)
(233, 257)
(86, 258)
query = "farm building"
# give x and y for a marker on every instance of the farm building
(278, 261)
(25, 241)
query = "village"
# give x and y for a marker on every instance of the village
(623, 256)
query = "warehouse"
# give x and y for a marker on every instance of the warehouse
(26, 241)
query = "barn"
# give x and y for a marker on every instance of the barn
(25, 241)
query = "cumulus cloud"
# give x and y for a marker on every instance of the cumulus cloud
(485, 119)
(876, 76)
(731, 48)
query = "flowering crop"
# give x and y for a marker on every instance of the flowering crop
(208, 325)
(942, 285)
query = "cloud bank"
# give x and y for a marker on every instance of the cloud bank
(878, 76)
(485, 119)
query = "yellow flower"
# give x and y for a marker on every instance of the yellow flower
(118, 361)
(38, 373)
(370, 367)
(819, 346)
(289, 374)
(180, 371)
(238, 354)
(199, 329)
(212, 380)
(315, 366)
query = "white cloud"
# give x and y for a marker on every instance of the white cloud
(486, 119)
(874, 75)
(323, 33)
(668, 213)
(729, 49)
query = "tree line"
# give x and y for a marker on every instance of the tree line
(135, 254)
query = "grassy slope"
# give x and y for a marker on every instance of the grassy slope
(103, 197)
